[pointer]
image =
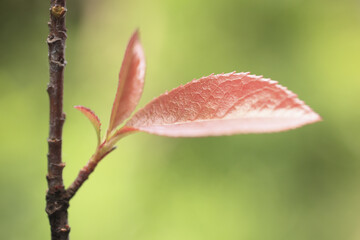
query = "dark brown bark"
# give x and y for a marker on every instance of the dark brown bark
(56, 200)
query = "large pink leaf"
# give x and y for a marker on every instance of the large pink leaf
(223, 104)
(131, 82)
(95, 121)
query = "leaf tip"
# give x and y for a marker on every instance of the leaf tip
(317, 118)
(88, 113)
(94, 119)
(135, 38)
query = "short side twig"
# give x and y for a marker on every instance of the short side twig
(85, 172)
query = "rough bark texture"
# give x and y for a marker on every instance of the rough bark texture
(56, 200)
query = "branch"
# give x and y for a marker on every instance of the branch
(56, 201)
(102, 151)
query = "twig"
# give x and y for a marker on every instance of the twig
(102, 151)
(56, 201)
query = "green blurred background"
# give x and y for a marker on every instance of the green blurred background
(297, 185)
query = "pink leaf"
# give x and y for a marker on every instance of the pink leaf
(223, 104)
(131, 82)
(93, 119)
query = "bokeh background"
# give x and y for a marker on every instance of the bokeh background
(298, 185)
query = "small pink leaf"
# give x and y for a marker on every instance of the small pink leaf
(131, 82)
(223, 104)
(93, 119)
